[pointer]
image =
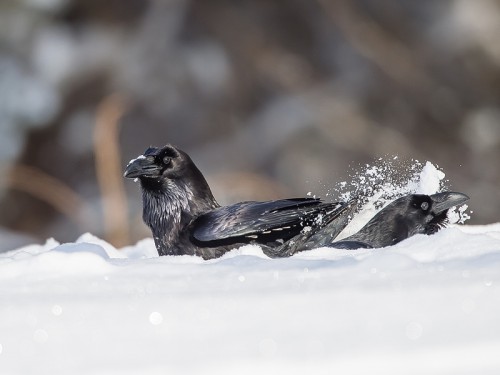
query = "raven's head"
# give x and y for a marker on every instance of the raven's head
(428, 213)
(172, 185)
(168, 169)
(159, 163)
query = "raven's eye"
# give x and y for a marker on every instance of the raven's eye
(167, 160)
(424, 206)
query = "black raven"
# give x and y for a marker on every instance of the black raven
(185, 218)
(403, 218)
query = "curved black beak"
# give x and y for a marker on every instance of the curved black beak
(446, 200)
(143, 166)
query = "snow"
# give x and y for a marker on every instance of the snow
(430, 178)
(428, 305)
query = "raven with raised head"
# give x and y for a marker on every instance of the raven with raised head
(185, 218)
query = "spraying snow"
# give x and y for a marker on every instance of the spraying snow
(430, 180)
(377, 185)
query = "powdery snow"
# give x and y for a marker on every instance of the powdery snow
(428, 305)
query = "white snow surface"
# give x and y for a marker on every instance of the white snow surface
(428, 305)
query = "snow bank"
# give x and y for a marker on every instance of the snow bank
(429, 305)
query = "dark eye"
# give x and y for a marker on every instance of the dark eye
(424, 206)
(167, 160)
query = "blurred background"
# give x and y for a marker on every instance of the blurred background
(270, 98)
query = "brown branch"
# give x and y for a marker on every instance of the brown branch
(394, 58)
(48, 189)
(109, 170)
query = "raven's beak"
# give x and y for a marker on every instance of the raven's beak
(446, 200)
(142, 166)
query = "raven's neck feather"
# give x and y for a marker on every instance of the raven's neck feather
(168, 209)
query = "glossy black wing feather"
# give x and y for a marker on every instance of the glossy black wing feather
(263, 221)
(350, 245)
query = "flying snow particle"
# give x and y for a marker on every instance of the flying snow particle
(430, 179)
(56, 310)
(155, 318)
(463, 216)
(372, 171)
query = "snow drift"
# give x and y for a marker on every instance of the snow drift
(428, 305)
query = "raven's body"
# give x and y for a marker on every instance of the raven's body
(403, 218)
(185, 218)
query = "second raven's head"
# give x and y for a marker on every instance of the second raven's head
(428, 213)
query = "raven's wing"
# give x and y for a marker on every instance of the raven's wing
(260, 221)
(350, 245)
(333, 222)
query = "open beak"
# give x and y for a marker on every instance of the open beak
(143, 166)
(446, 200)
